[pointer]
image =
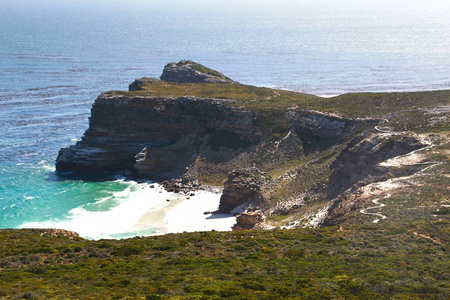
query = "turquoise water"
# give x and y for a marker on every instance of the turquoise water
(57, 56)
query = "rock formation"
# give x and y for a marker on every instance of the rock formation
(244, 187)
(361, 155)
(163, 137)
(156, 137)
(189, 71)
(248, 220)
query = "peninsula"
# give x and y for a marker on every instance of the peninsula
(355, 189)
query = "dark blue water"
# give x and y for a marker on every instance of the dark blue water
(57, 56)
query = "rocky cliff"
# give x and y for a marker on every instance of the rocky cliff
(156, 137)
(166, 137)
(287, 153)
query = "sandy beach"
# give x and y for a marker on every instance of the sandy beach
(186, 214)
(189, 215)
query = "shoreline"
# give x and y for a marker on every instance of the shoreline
(142, 209)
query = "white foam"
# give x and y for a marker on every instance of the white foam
(141, 210)
(118, 221)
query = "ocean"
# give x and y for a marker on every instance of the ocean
(56, 57)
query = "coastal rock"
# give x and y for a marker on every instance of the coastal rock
(158, 138)
(244, 186)
(248, 220)
(187, 71)
(161, 137)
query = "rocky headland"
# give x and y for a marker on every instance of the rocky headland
(360, 180)
(300, 159)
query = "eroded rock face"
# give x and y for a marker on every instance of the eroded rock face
(187, 71)
(361, 155)
(160, 137)
(321, 125)
(244, 187)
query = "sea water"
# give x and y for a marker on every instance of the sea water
(57, 56)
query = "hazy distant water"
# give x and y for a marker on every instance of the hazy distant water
(57, 56)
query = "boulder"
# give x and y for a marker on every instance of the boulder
(248, 220)
(187, 71)
(244, 186)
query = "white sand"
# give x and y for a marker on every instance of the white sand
(189, 215)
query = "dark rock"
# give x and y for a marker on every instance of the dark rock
(181, 186)
(187, 71)
(155, 137)
(244, 186)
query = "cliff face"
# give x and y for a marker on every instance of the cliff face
(159, 138)
(358, 160)
(171, 130)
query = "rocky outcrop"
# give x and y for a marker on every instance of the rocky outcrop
(182, 185)
(161, 137)
(187, 71)
(248, 220)
(363, 153)
(323, 126)
(138, 84)
(244, 186)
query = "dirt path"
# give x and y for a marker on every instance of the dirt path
(377, 205)
(382, 189)
(437, 241)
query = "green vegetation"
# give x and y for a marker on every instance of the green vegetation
(257, 97)
(363, 263)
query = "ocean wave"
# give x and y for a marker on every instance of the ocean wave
(114, 216)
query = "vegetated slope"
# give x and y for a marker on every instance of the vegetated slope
(362, 262)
